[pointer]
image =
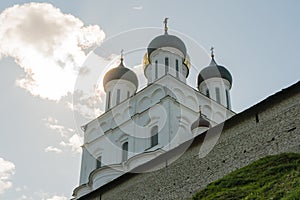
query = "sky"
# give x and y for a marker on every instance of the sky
(53, 55)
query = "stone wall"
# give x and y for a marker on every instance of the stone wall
(270, 127)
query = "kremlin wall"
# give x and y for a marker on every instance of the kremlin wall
(267, 128)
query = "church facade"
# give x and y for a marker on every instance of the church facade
(138, 127)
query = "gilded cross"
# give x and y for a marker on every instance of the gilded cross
(166, 24)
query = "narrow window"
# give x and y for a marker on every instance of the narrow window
(256, 118)
(124, 151)
(98, 162)
(177, 68)
(207, 93)
(227, 99)
(154, 136)
(118, 96)
(166, 65)
(108, 100)
(156, 69)
(128, 94)
(218, 99)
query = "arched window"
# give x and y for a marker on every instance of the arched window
(124, 151)
(98, 162)
(166, 65)
(154, 136)
(218, 98)
(156, 69)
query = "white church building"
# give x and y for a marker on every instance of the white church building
(139, 126)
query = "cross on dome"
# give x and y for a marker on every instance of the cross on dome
(212, 52)
(166, 25)
(122, 55)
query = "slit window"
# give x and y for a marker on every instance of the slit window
(177, 68)
(218, 99)
(124, 151)
(227, 99)
(166, 65)
(256, 118)
(156, 69)
(98, 162)
(118, 96)
(154, 136)
(108, 99)
(207, 93)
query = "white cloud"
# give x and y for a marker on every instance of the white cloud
(23, 197)
(57, 198)
(137, 7)
(88, 103)
(7, 169)
(75, 142)
(88, 96)
(19, 189)
(53, 124)
(53, 149)
(48, 45)
(68, 135)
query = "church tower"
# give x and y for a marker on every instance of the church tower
(166, 54)
(215, 82)
(119, 83)
(137, 127)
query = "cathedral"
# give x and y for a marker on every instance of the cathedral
(139, 126)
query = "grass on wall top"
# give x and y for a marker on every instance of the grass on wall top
(272, 177)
